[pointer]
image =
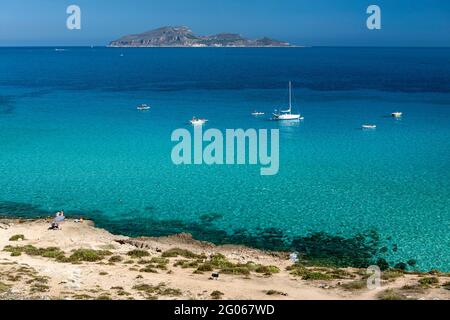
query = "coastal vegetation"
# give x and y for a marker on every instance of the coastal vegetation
(428, 282)
(314, 273)
(175, 252)
(4, 287)
(275, 292)
(17, 237)
(152, 292)
(78, 255)
(138, 253)
(216, 295)
(196, 263)
(355, 285)
(391, 294)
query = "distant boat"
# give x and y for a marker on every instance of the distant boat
(143, 107)
(368, 126)
(287, 114)
(257, 113)
(396, 114)
(58, 49)
(197, 122)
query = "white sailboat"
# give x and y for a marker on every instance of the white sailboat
(287, 114)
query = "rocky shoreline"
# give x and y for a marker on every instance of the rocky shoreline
(81, 261)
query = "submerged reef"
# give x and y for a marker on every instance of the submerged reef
(315, 248)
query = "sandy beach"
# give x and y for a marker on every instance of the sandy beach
(81, 261)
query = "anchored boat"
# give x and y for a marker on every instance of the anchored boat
(287, 114)
(197, 122)
(143, 107)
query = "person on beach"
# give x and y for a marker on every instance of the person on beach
(59, 217)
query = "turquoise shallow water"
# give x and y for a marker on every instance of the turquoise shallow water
(71, 138)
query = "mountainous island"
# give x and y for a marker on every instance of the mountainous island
(184, 37)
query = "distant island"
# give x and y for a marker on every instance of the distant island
(184, 37)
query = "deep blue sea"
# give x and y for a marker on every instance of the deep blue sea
(71, 138)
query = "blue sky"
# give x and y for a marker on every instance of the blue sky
(317, 22)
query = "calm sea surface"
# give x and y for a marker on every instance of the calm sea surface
(71, 138)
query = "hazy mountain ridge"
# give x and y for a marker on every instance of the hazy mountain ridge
(184, 37)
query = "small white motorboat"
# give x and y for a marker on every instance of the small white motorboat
(257, 113)
(396, 114)
(143, 107)
(369, 126)
(287, 114)
(197, 122)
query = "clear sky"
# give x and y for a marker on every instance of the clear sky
(313, 22)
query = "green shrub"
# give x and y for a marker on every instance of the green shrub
(38, 287)
(355, 285)
(117, 288)
(161, 266)
(275, 292)
(4, 287)
(316, 276)
(390, 294)
(88, 255)
(115, 259)
(205, 267)
(17, 237)
(175, 252)
(82, 297)
(220, 261)
(446, 285)
(267, 269)
(38, 279)
(138, 253)
(50, 252)
(340, 274)
(435, 272)
(428, 282)
(149, 268)
(186, 264)
(235, 270)
(160, 289)
(391, 274)
(159, 260)
(412, 289)
(216, 295)
(297, 270)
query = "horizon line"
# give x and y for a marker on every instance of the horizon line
(184, 47)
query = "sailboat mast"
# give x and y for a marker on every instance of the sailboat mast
(290, 97)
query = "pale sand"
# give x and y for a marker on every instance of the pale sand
(68, 281)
